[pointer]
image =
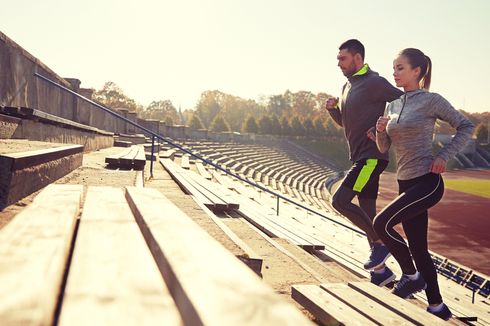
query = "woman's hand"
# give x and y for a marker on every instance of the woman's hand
(381, 123)
(438, 166)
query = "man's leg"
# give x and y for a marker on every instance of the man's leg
(342, 202)
(362, 180)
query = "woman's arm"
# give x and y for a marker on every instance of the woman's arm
(444, 111)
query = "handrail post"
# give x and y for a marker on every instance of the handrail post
(277, 210)
(151, 157)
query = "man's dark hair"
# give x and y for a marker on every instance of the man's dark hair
(353, 46)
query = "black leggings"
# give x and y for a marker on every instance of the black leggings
(410, 209)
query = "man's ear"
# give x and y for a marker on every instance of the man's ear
(358, 58)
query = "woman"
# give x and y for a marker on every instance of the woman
(409, 127)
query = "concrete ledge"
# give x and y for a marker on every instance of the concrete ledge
(8, 126)
(31, 124)
(34, 130)
(24, 173)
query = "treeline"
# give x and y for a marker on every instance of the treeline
(291, 113)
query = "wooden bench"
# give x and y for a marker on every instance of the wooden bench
(202, 171)
(203, 190)
(134, 258)
(360, 303)
(34, 249)
(132, 158)
(223, 291)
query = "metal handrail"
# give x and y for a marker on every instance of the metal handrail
(169, 141)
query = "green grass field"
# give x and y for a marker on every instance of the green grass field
(470, 186)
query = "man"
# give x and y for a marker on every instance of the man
(364, 99)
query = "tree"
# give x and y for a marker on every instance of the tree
(319, 127)
(169, 121)
(250, 125)
(481, 132)
(297, 127)
(195, 122)
(113, 97)
(209, 106)
(219, 124)
(265, 125)
(161, 110)
(309, 127)
(285, 126)
(331, 129)
(278, 105)
(275, 125)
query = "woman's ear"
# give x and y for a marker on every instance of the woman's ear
(417, 71)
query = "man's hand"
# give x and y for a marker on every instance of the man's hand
(331, 103)
(381, 123)
(438, 166)
(371, 134)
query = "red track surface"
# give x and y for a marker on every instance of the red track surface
(459, 225)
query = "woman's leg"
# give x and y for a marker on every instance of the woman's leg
(416, 232)
(416, 196)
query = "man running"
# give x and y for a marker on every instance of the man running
(364, 99)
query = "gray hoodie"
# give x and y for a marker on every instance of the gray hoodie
(411, 130)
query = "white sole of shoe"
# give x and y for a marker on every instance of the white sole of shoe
(388, 280)
(380, 264)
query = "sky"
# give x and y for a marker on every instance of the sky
(175, 50)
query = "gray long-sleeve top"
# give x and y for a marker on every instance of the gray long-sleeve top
(411, 130)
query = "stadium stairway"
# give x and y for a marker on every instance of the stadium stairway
(348, 249)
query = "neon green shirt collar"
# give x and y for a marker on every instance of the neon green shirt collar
(362, 71)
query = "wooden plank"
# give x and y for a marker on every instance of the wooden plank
(168, 154)
(34, 249)
(184, 163)
(139, 160)
(34, 114)
(202, 171)
(24, 160)
(326, 308)
(189, 187)
(365, 305)
(113, 279)
(223, 291)
(396, 304)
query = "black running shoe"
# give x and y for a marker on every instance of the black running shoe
(379, 254)
(381, 279)
(444, 313)
(405, 287)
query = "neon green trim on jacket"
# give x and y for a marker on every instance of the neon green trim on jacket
(365, 174)
(362, 71)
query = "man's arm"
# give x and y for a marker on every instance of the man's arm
(388, 92)
(332, 106)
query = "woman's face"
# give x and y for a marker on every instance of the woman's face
(404, 74)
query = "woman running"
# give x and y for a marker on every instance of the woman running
(409, 127)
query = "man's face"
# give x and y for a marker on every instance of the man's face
(346, 63)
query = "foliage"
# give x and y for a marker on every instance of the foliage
(250, 125)
(219, 124)
(481, 132)
(285, 127)
(196, 122)
(162, 111)
(113, 97)
(265, 125)
(297, 127)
